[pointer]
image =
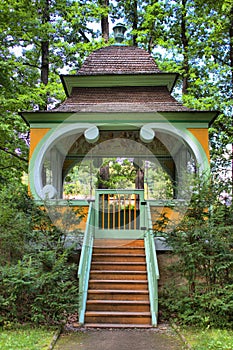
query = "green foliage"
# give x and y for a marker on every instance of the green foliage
(83, 178)
(38, 281)
(121, 174)
(203, 308)
(80, 180)
(194, 39)
(39, 288)
(203, 242)
(159, 183)
(15, 222)
(37, 41)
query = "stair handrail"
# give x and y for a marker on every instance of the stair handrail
(152, 266)
(85, 262)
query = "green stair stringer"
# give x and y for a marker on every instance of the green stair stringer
(152, 266)
(85, 262)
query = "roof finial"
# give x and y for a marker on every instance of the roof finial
(119, 31)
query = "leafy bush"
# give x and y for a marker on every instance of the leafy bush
(203, 308)
(38, 282)
(15, 217)
(40, 288)
(203, 243)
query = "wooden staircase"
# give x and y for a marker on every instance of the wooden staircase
(118, 293)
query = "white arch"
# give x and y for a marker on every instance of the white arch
(186, 136)
(47, 142)
(71, 129)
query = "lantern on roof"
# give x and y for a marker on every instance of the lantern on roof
(119, 32)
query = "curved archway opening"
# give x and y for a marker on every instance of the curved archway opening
(71, 164)
(118, 173)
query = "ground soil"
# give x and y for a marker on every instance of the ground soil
(160, 338)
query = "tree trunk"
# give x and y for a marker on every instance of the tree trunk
(135, 21)
(150, 44)
(45, 62)
(185, 44)
(45, 52)
(103, 177)
(104, 21)
(231, 66)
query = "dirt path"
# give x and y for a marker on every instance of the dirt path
(161, 338)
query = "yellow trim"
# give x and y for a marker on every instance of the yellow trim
(36, 136)
(202, 136)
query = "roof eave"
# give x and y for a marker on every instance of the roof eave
(111, 80)
(45, 117)
(215, 116)
(24, 119)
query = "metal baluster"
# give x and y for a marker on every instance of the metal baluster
(108, 211)
(103, 209)
(135, 212)
(124, 212)
(119, 211)
(113, 212)
(129, 211)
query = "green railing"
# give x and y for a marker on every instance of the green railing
(151, 258)
(119, 209)
(152, 266)
(85, 262)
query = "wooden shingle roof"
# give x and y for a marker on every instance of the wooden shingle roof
(121, 99)
(119, 79)
(119, 60)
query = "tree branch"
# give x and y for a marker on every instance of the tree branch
(84, 36)
(10, 166)
(13, 154)
(220, 60)
(30, 65)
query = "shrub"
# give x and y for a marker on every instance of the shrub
(37, 281)
(203, 243)
(41, 288)
(14, 223)
(203, 308)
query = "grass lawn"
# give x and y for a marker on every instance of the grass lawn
(26, 338)
(210, 339)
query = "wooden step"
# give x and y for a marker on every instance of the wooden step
(119, 257)
(115, 274)
(103, 242)
(117, 325)
(119, 266)
(119, 250)
(98, 294)
(118, 293)
(118, 305)
(118, 284)
(117, 317)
